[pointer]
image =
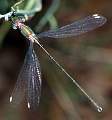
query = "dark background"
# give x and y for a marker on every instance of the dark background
(87, 58)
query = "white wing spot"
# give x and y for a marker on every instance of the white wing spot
(96, 16)
(11, 99)
(28, 105)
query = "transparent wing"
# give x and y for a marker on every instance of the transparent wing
(34, 80)
(19, 90)
(29, 81)
(76, 28)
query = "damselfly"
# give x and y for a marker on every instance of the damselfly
(29, 81)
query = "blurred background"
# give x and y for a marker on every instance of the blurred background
(88, 59)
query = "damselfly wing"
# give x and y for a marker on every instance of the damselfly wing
(29, 81)
(84, 25)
